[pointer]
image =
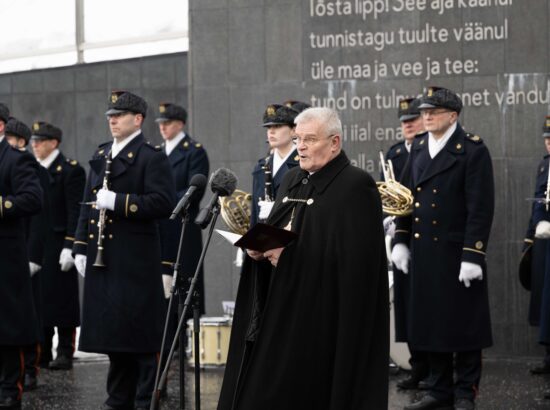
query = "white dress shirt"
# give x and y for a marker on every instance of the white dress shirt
(173, 143)
(435, 146)
(119, 146)
(46, 162)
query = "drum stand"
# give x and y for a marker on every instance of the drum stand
(160, 382)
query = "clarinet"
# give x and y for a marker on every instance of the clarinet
(268, 181)
(102, 216)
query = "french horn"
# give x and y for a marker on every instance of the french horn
(397, 199)
(235, 211)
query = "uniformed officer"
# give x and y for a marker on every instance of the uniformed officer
(20, 197)
(18, 136)
(411, 126)
(187, 158)
(538, 249)
(59, 276)
(123, 307)
(269, 171)
(450, 174)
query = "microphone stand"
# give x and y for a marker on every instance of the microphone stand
(176, 280)
(163, 377)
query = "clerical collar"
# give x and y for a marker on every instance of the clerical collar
(119, 146)
(46, 162)
(434, 146)
(169, 145)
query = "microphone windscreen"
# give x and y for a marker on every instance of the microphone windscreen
(223, 182)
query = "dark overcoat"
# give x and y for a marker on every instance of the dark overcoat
(123, 307)
(538, 250)
(20, 197)
(60, 289)
(258, 181)
(187, 159)
(450, 224)
(321, 341)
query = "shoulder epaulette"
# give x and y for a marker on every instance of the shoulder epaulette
(73, 162)
(474, 138)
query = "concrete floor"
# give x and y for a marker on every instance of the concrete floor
(506, 384)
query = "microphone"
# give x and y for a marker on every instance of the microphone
(222, 183)
(196, 187)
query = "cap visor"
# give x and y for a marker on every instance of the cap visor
(113, 111)
(546, 134)
(161, 119)
(426, 105)
(269, 124)
(39, 137)
(408, 117)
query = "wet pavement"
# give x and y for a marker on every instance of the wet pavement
(506, 384)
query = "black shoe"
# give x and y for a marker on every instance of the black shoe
(409, 383)
(10, 403)
(30, 382)
(430, 403)
(544, 369)
(61, 363)
(464, 404)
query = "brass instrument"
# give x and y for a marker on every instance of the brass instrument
(235, 211)
(397, 199)
(102, 216)
(268, 181)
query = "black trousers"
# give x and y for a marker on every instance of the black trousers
(32, 359)
(131, 380)
(66, 342)
(467, 367)
(420, 364)
(12, 365)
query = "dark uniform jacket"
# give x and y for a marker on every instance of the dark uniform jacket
(124, 306)
(186, 160)
(398, 155)
(538, 251)
(20, 197)
(450, 224)
(258, 180)
(541, 214)
(60, 289)
(322, 341)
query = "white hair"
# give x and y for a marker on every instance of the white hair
(328, 119)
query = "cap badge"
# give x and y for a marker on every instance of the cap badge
(36, 126)
(114, 98)
(162, 108)
(270, 110)
(430, 92)
(404, 105)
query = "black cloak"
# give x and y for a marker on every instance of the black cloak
(316, 327)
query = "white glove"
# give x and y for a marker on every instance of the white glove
(33, 267)
(80, 263)
(105, 200)
(389, 226)
(542, 231)
(167, 285)
(265, 209)
(400, 256)
(239, 258)
(66, 259)
(469, 271)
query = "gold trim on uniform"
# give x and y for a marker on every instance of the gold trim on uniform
(126, 205)
(528, 240)
(401, 230)
(80, 243)
(167, 263)
(1, 209)
(69, 238)
(479, 245)
(473, 250)
(8, 204)
(130, 155)
(133, 208)
(458, 146)
(59, 168)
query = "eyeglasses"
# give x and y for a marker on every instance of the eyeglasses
(307, 141)
(426, 113)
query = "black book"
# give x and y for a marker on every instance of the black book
(262, 237)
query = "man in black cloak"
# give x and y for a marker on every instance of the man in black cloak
(311, 325)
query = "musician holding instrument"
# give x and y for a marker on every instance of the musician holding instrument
(59, 278)
(117, 247)
(450, 174)
(269, 171)
(412, 127)
(538, 234)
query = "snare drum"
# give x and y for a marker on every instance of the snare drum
(214, 335)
